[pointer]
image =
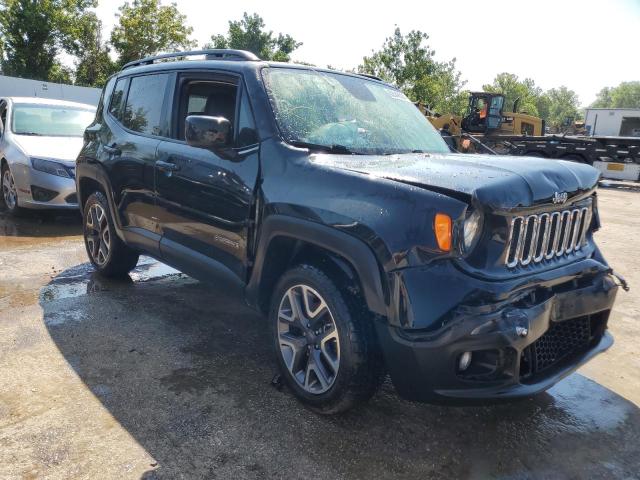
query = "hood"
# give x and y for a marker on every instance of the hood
(55, 148)
(493, 181)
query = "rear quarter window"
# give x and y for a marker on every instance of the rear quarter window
(117, 98)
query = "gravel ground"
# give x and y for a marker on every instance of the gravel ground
(165, 377)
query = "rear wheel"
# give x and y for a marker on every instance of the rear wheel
(536, 154)
(9, 191)
(574, 158)
(326, 351)
(108, 254)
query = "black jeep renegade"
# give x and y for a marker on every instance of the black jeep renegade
(341, 212)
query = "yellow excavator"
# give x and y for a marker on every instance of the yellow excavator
(483, 121)
(485, 128)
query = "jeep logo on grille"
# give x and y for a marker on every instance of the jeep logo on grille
(560, 197)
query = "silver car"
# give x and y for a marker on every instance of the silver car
(40, 140)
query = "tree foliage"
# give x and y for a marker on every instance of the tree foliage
(249, 34)
(409, 63)
(146, 27)
(563, 107)
(625, 95)
(531, 98)
(555, 106)
(33, 33)
(93, 65)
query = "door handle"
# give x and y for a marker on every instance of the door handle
(112, 150)
(167, 167)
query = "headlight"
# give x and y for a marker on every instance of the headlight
(471, 230)
(47, 166)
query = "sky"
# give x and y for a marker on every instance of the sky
(585, 45)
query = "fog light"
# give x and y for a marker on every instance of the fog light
(40, 194)
(465, 361)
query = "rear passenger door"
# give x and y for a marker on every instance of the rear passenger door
(206, 201)
(137, 113)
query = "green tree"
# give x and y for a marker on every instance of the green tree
(625, 95)
(530, 96)
(33, 33)
(145, 27)
(249, 34)
(410, 64)
(603, 99)
(93, 65)
(563, 107)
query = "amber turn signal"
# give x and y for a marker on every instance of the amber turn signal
(442, 229)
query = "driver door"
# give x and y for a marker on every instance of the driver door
(206, 201)
(494, 116)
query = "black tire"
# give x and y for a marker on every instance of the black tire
(14, 210)
(536, 154)
(360, 364)
(118, 259)
(575, 158)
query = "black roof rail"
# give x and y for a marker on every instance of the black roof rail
(372, 77)
(210, 54)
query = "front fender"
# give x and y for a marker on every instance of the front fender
(353, 250)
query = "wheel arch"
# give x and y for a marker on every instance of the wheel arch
(87, 186)
(91, 177)
(287, 241)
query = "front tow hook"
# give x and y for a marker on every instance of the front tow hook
(622, 282)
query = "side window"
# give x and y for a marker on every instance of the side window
(117, 98)
(196, 104)
(206, 97)
(247, 134)
(143, 110)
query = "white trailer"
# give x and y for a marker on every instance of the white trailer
(612, 122)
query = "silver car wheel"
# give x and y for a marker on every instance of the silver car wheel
(9, 192)
(308, 339)
(97, 234)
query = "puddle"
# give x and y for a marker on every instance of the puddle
(83, 280)
(60, 318)
(34, 227)
(587, 406)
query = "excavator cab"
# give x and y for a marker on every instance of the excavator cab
(484, 112)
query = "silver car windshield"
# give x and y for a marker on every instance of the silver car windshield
(45, 120)
(347, 113)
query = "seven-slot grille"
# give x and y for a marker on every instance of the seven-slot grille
(539, 237)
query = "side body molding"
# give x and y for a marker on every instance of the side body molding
(353, 250)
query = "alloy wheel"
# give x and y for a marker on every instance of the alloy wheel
(308, 339)
(9, 192)
(97, 234)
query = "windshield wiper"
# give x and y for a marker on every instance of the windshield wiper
(334, 148)
(30, 133)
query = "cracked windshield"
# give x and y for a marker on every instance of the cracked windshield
(346, 114)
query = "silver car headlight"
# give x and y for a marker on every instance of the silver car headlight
(47, 166)
(472, 228)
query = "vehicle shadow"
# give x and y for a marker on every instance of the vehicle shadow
(40, 223)
(186, 369)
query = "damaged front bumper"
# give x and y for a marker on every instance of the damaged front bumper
(519, 342)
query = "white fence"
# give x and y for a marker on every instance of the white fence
(22, 87)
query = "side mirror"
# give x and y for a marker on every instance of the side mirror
(207, 132)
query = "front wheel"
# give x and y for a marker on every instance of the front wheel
(325, 350)
(108, 254)
(9, 191)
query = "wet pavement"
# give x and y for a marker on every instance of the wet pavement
(161, 376)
